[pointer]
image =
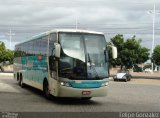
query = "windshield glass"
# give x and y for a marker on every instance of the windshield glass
(73, 46)
(82, 56)
(96, 64)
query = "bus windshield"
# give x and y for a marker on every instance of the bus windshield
(82, 56)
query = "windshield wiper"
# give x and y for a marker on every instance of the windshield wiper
(90, 64)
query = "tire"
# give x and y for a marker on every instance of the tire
(20, 82)
(86, 98)
(129, 79)
(46, 90)
(126, 80)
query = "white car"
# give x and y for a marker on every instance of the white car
(122, 75)
(148, 70)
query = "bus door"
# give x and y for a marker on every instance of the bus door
(53, 80)
(53, 66)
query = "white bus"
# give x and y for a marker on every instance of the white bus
(64, 63)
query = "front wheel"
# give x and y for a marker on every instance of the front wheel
(46, 90)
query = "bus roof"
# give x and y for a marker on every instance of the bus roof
(75, 30)
(60, 30)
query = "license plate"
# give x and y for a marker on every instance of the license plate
(86, 92)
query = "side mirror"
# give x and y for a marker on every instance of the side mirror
(114, 52)
(57, 50)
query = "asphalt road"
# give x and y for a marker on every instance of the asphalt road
(122, 97)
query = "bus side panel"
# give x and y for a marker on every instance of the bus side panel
(35, 70)
(32, 62)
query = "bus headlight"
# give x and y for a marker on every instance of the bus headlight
(65, 84)
(104, 84)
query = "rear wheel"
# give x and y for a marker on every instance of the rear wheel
(18, 79)
(20, 82)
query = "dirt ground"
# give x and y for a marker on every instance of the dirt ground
(154, 74)
(145, 81)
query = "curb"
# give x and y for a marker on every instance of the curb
(146, 77)
(6, 74)
(143, 77)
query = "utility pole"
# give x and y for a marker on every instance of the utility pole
(154, 11)
(76, 26)
(76, 23)
(10, 34)
(153, 37)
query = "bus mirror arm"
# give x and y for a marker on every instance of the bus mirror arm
(53, 55)
(106, 56)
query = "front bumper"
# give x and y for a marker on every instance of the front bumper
(77, 92)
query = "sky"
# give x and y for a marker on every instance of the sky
(25, 18)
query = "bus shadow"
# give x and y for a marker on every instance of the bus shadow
(74, 101)
(28, 90)
(60, 101)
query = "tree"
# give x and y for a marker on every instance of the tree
(2, 51)
(156, 55)
(9, 55)
(118, 41)
(130, 51)
(5, 54)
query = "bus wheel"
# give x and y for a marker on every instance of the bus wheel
(46, 90)
(86, 98)
(18, 77)
(21, 81)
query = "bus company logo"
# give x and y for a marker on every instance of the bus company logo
(39, 57)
